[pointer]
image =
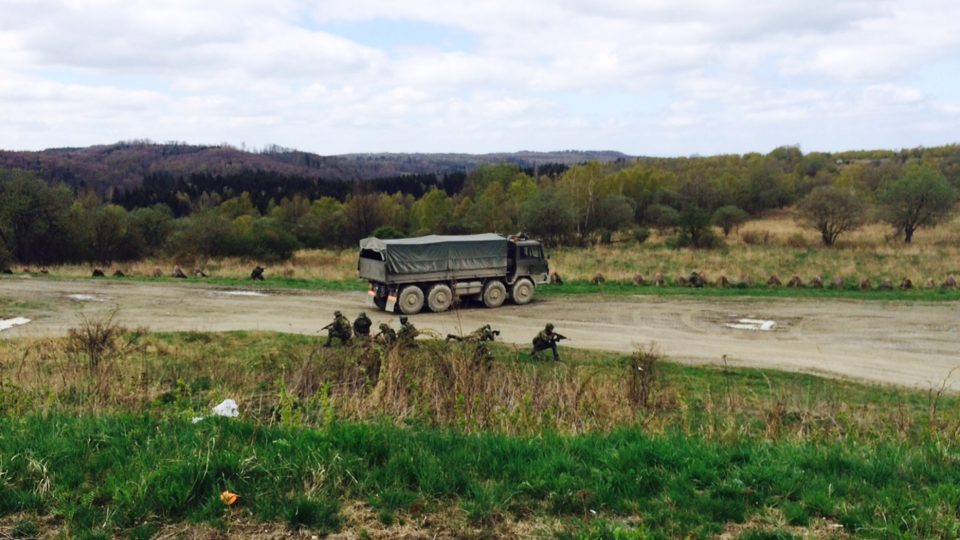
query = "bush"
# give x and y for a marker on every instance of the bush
(387, 232)
(640, 234)
(756, 238)
(796, 240)
(695, 230)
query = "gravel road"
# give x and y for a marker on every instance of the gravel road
(904, 343)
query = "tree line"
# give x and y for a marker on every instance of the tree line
(268, 217)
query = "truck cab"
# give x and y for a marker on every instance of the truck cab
(525, 258)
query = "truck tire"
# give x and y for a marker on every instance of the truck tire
(410, 301)
(522, 292)
(494, 294)
(439, 298)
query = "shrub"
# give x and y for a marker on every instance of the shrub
(756, 238)
(641, 234)
(387, 232)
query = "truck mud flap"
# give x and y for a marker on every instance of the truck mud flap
(372, 296)
(391, 300)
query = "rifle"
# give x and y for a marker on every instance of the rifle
(559, 337)
(328, 326)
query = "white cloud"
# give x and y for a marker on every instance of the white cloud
(646, 77)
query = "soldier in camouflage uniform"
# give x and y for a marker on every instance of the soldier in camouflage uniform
(361, 325)
(547, 339)
(387, 335)
(339, 328)
(408, 332)
(479, 337)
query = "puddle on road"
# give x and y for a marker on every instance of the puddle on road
(87, 298)
(752, 324)
(6, 324)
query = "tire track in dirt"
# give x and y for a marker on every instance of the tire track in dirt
(905, 343)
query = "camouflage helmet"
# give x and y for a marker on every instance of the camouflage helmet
(337, 314)
(403, 319)
(362, 314)
(384, 326)
(549, 327)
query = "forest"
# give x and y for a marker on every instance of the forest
(268, 215)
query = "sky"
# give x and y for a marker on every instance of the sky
(644, 77)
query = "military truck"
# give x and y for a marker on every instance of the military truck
(436, 271)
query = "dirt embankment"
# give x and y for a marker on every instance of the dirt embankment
(911, 344)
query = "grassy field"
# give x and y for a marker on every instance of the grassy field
(98, 439)
(774, 245)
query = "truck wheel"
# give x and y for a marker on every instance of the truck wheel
(439, 298)
(494, 294)
(522, 291)
(410, 301)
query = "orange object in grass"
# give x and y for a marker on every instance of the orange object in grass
(228, 497)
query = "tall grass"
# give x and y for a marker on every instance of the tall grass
(436, 438)
(291, 380)
(771, 245)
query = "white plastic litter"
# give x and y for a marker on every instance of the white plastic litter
(6, 324)
(243, 293)
(753, 324)
(228, 408)
(87, 298)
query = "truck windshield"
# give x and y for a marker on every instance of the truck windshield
(531, 252)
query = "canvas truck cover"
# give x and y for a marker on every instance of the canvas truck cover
(436, 253)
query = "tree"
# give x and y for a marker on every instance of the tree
(580, 184)
(34, 219)
(363, 213)
(662, 217)
(206, 234)
(550, 216)
(832, 211)
(267, 240)
(921, 198)
(695, 229)
(324, 226)
(728, 217)
(614, 212)
(431, 213)
(153, 225)
(487, 211)
(111, 237)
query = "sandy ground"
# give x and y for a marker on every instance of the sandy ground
(904, 343)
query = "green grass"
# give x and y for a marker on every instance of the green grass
(13, 308)
(756, 291)
(116, 474)
(610, 288)
(764, 453)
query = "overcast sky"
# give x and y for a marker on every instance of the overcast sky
(647, 77)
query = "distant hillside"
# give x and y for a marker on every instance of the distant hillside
(123, 166)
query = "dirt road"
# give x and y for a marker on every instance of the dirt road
(911, 344)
